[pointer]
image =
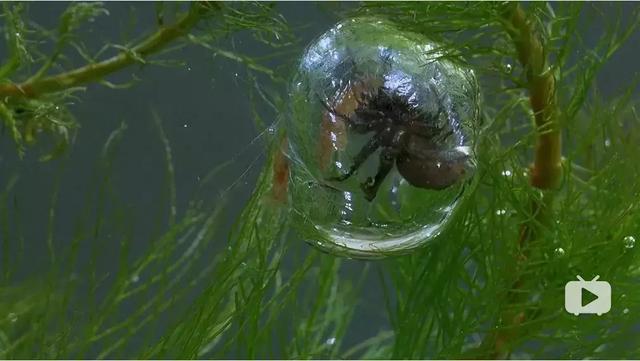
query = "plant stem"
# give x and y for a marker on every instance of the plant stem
(95, 71)
(546, 170)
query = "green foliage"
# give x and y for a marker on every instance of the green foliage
(266, 294)
(36, 101)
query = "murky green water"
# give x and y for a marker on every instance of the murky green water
(207, 107)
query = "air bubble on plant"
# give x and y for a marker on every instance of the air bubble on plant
(12, 317)
(382, 135)
(629, 242)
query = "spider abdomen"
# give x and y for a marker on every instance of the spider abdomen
(430, 173)
(425, 164)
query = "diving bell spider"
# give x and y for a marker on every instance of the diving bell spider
(408, 138)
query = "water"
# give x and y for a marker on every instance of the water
(219, 124)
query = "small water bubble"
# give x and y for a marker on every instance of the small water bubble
(607, 142)
(559, 252)
(235, 74)
(185, 125)
(629, 242)
(625, 311)
(506, 173)
(501, 212)
(508, 67)
(330, 341)
(188, 68)
(135, 278)
(12, 317)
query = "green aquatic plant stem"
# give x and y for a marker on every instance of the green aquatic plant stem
(546, 169)
(33, 88)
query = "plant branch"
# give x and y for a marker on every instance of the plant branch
(95, 71)
(546, 170)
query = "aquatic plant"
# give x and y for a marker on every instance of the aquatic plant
(556, 192)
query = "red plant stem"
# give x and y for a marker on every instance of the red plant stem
(546, 170)
(280, 182)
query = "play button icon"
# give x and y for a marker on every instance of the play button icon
(582, 296)
(587, 297)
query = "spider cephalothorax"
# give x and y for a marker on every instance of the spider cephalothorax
(409, 138)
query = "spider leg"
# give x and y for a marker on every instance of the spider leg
(370, 187)
(333, 111)
(417, 127)
(443, 136)
(364, 153)
(355, 123)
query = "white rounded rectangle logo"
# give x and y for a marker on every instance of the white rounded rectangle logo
(587, 297)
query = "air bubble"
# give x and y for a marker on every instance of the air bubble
(625, 311)
(629, 242)
(12, 317)
(501, 212)
(607, 142)
(506, 173)
(135, 278)
(559, 252)
(330, 341)
(356, 68)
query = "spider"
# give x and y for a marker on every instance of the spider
(407, 137)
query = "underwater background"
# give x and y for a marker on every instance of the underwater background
(85, 218)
